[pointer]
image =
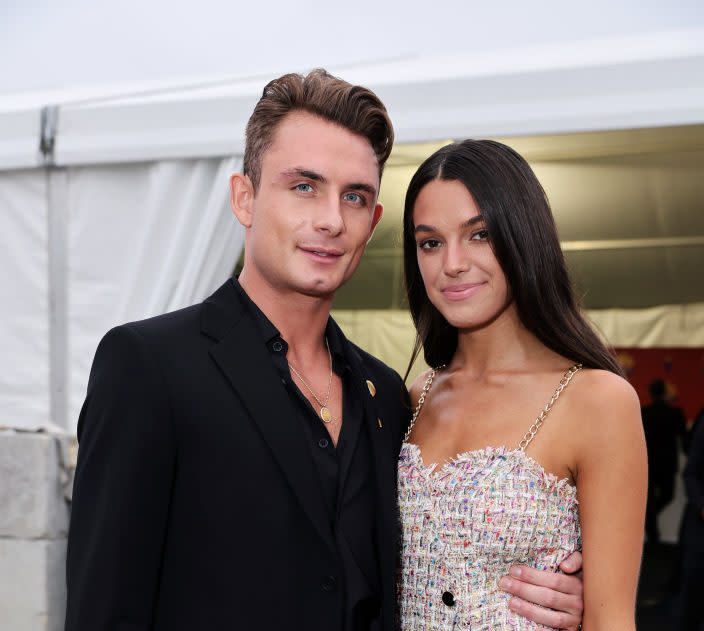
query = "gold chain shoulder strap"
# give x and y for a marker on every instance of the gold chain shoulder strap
(533, 430)
(421, 401)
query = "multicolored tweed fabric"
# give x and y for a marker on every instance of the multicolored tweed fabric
(465, 523)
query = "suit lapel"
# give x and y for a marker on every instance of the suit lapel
(381, 441)
(245, 361)
(350, 433)
(379, 436)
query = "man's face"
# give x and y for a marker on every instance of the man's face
(315, 209)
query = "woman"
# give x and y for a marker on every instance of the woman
(526, 442)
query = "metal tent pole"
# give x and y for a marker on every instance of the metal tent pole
(57, 220)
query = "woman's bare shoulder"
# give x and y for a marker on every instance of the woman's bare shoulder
(605, 405)
(600, 390)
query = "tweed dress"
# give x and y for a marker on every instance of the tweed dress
(466, 522)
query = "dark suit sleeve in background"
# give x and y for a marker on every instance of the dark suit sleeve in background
(125, 472)
(694, 471)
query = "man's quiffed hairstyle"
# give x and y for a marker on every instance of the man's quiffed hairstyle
(353, 107)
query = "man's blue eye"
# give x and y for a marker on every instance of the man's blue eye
(355, 198)
(304, 187)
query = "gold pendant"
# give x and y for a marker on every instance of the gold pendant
(325, 414)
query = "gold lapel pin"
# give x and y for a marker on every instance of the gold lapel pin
(380, 423)
(372, 388)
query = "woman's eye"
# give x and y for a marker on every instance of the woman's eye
(304, 187)
(429, 244)
(481, 235)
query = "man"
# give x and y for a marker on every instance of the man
(237, 460)
(663, 425)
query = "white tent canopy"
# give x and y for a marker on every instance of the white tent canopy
(94, 246)
(654, 79)
(645, 80)
(123, 213)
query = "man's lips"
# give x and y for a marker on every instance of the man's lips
(321, 253)
(461, 292)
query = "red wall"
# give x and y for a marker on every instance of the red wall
(681, 368)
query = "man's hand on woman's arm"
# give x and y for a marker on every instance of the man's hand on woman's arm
(549, 599)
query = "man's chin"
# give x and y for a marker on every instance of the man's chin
(321, 287)
(319, 290)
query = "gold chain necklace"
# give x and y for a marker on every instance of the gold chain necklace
(325, 413)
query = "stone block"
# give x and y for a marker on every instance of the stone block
(32, 503)
(32, 584)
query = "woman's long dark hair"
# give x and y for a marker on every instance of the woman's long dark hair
(523, 235)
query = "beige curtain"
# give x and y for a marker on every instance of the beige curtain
(389, 334)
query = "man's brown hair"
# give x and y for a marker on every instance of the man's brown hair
(353, 107)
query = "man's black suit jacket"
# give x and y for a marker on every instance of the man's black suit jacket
(196, 505)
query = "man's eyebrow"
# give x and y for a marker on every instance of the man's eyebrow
(465, 224)
(362, 186)
(306, 173)
(317, 177)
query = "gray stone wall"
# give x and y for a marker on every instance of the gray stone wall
(34, 513)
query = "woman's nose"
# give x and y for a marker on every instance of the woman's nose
(457, 259)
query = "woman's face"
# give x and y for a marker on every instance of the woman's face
(462, 277)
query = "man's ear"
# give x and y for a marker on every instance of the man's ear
(376, 218)
(242, 198)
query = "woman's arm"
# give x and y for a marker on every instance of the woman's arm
(611, 480)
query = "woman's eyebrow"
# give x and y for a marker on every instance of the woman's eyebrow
(472, 220)
(421, 227)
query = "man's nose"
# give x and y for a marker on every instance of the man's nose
(328, 217)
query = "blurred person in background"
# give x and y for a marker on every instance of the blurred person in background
(692, 537)
(698, 418)
(664, 426)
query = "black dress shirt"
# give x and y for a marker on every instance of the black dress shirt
(345, 472)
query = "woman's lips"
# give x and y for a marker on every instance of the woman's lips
(456, 293)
